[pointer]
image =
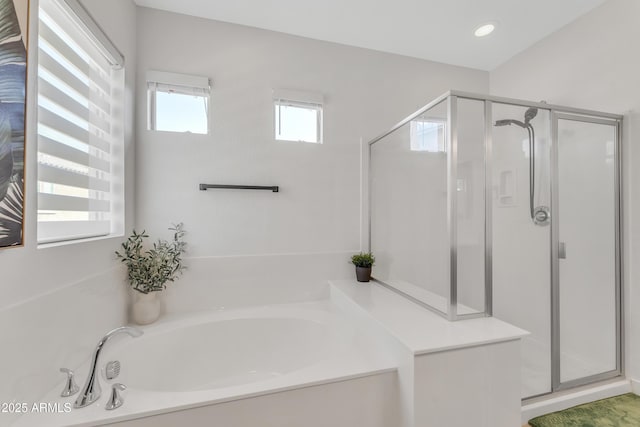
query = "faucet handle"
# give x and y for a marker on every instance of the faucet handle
(116, 400)
(70, 387)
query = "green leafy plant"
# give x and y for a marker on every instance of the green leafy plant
(150, 270)
(363, 259)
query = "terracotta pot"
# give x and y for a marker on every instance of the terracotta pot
(363, 274)
(146, 308)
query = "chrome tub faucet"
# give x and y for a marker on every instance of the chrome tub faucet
(91, 390)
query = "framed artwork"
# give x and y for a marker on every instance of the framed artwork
(13, 76)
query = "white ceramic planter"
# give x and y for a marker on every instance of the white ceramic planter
(146, 308)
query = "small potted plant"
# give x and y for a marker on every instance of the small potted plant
(363, 262)
(149, 270)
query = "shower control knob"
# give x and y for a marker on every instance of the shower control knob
(541, 215)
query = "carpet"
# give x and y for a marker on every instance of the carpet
(619, 411)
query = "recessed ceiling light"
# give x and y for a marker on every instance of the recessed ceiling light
(485, 29)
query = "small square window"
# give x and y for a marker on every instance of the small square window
(427, 135)
(298, 121)
(178, 103)
(177, 112)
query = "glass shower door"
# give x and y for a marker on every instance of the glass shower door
(586, 275)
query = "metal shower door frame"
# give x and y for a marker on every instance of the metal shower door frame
(616, 122)
(556, 112)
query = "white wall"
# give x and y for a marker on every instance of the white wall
(481, 379)
(592, 64)
(56, 302)
(317, 211)
(520, 249)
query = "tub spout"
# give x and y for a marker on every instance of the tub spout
(91, 390)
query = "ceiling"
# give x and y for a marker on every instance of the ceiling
(437, 30)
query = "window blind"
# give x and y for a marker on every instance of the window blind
(184, 90)
(79, 128)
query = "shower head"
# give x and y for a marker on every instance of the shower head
(530, 114)
(508, 122)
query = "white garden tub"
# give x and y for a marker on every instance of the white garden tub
(207, 358)
(226, 352)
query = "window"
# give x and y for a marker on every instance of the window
(298, 116)
(178, 102)
(80, 135)
(427, 135)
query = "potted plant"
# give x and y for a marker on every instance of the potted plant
(363, 262)
(149, 270)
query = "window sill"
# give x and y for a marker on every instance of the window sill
(47, 245)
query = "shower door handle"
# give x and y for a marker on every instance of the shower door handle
(562, 250)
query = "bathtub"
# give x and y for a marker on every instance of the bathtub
(209, 358)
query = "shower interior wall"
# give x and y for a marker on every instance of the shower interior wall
(521, 250)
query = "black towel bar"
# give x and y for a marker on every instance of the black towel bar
(274, 188)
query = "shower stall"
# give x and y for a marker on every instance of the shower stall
(481, 206)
